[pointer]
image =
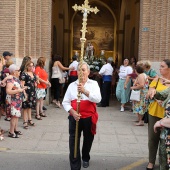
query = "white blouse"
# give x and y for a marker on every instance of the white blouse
(124, 71)
(71, 93)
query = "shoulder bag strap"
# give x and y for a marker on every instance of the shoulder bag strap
(149, 72)
(157, 83)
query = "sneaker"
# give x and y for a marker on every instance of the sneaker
(122, 109)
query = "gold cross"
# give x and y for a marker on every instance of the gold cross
(85, 9)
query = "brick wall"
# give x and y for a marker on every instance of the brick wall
(154, 33)
(26, 27)
(7, 25)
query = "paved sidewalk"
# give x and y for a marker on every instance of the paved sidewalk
(116, 137)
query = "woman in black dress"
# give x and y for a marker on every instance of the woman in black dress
(28, 79)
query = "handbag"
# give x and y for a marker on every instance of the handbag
(62, 80)
(145, 117)
(135, 95)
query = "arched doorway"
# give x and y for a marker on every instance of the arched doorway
(101, 29)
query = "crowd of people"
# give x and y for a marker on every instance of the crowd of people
(154, 100)
(138, 76)
(24, 88)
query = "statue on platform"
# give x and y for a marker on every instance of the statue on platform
(89, 50)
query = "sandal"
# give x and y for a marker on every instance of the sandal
(150, 168)
(1, 136)
(25, 125)
(43, 115)
(38, 117)
(17, 132)
(31, 123)
(58, 105)
(3, 114)
(139, 124)
(2, 131)
(7, 119)
(54, 101)
(12, 135)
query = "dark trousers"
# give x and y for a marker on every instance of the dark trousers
(56, 87)
(72, 79)
(85, 126)
(106, 90)
(153, 139)
(3, 95)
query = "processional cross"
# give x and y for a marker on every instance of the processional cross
(85, 9)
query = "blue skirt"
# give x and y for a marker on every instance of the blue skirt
(122, 94)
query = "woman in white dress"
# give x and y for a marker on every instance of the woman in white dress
(122, 89)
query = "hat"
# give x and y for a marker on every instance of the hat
(7, 53)
(13, 68)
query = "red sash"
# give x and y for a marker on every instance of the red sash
(87, 109)
(73, 73)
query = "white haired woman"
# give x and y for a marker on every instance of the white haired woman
(15, 93)
(150, 72)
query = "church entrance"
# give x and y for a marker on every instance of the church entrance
(101, 32)
(114, 30)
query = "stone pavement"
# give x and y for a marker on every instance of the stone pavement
(116, 137)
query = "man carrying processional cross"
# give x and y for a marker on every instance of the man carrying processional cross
(80, 101)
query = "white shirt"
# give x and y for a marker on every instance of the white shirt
(106, 69)
(124, 71)
(74, 64)
(55, 72)
(71, 94)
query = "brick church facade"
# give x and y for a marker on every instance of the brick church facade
(139, 28)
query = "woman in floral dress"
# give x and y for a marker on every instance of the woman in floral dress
(141, 83)
(28, 79)
(14, 90)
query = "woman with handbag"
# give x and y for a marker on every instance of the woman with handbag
(122, 89)
(141, 84)
(57, 77)
(156, 112)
